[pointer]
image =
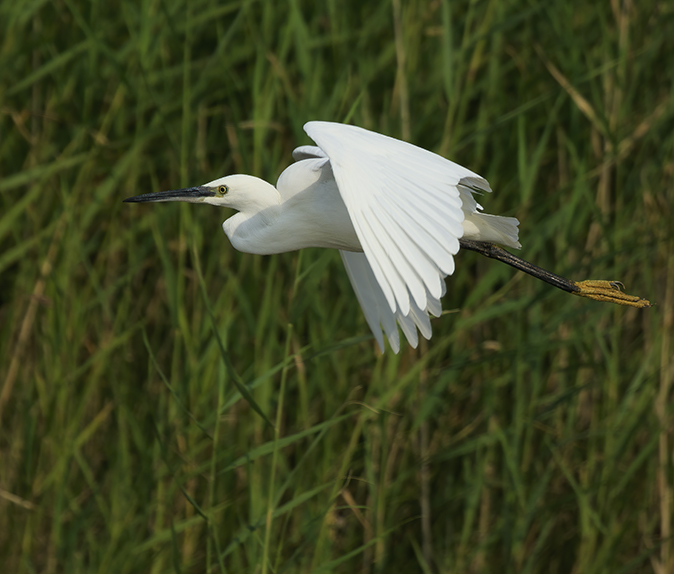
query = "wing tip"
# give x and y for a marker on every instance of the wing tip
(313, 125)
(394, 342)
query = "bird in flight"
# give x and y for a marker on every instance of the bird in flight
(397, 213)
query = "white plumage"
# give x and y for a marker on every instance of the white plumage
(395, 211)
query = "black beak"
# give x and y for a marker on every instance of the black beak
(189, 194)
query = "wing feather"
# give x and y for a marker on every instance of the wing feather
(382, 263)
(422, 322)
(376, 309)
(409, 329)
(416, 188)
(407, 206)
(426, 237)
(308, 152)
(371, 298)
(446, 226)
(398, 250)
(417, 260)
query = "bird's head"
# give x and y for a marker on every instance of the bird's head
(239, 192)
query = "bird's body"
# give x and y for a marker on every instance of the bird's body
(395, 211)
(304, 210)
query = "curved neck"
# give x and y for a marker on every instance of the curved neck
(259, 205)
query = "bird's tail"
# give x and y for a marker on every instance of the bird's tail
(494, 229)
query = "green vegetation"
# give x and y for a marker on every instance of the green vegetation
(143, 360)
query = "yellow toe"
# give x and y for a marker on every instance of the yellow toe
(609, 291)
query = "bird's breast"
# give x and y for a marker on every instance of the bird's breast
(314, 217)
(318, 218)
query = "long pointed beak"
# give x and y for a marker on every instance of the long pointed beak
(189, 194)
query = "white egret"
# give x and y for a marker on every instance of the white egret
(397, 213)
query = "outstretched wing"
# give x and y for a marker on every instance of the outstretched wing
(405, 206)
(377, 311)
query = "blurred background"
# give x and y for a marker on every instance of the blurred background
(168, 404)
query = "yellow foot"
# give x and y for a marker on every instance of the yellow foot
(609, 291)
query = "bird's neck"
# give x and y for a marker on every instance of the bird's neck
(248, 230)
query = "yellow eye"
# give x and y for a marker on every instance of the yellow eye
(222, 189)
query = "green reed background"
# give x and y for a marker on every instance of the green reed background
(533, 433)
